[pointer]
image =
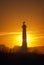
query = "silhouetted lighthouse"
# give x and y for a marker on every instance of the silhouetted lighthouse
(24, 42)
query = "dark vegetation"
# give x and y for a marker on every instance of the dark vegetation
(20, 58)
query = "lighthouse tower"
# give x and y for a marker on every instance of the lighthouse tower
(24, 40)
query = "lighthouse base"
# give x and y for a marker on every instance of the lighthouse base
(24, 48)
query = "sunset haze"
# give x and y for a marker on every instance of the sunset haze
(12, 15)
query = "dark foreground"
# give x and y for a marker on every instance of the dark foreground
(21, 59)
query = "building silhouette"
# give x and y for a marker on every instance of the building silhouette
(24, 40)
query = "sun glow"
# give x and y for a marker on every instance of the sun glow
(15, 39)
(19, 40)
(29, 38)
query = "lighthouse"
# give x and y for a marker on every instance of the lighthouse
(24, 40)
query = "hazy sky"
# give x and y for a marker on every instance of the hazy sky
(14, 12)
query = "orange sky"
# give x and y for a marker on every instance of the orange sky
(14, 12)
